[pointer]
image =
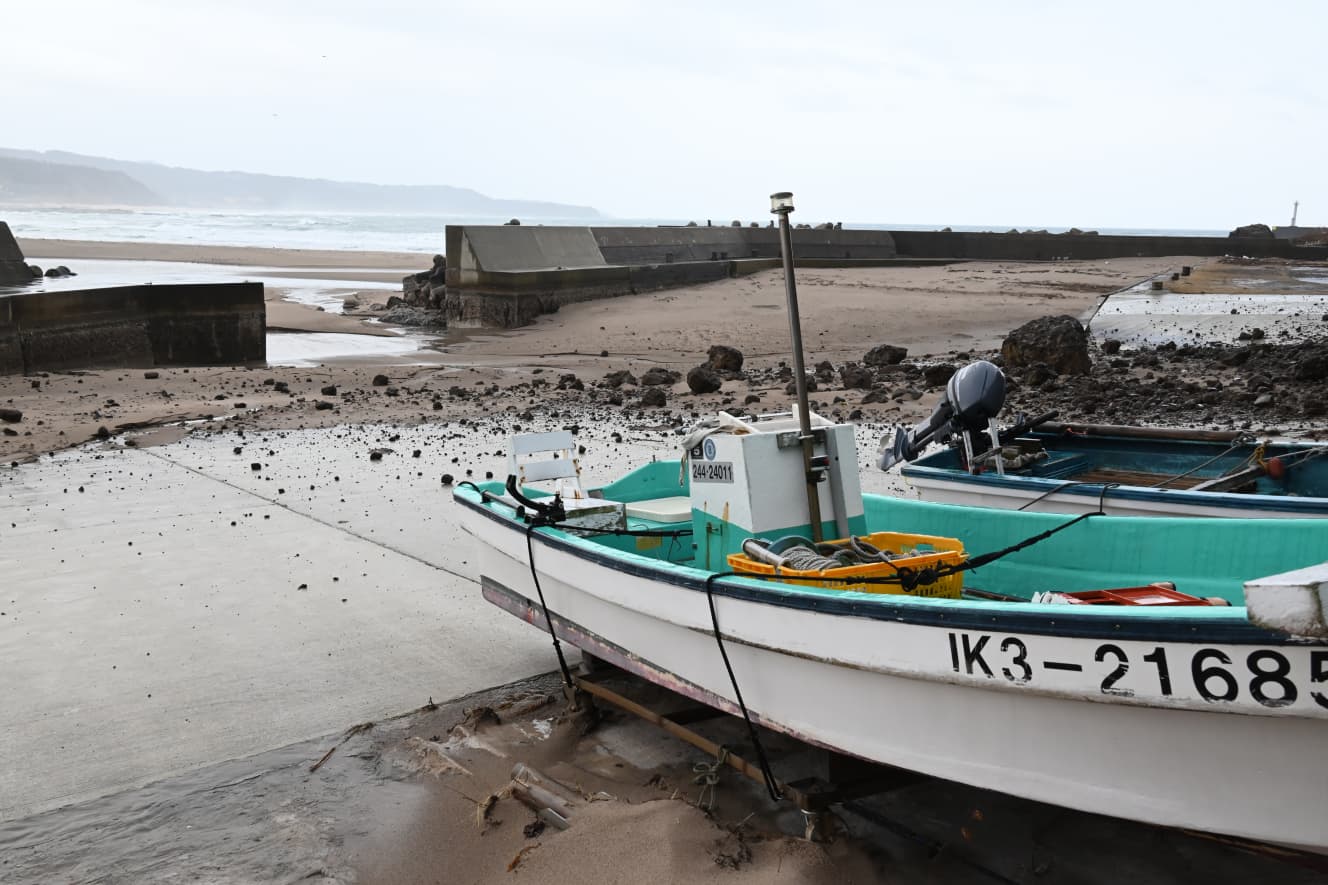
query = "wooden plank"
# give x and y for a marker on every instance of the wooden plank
(1232, 481)
(1136, 478)
(1123, 430)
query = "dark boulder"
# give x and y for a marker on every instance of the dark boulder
(653, 398)
(1253, 231)
(404, 315)
(885, 355)
(660, 376)
(723, 358)
(1060, 341)
(938, 374)
(704, 379)
(1313, 367)
(857, 377)
(619, 378)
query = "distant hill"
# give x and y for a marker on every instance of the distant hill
(61, 178)
(34, 181)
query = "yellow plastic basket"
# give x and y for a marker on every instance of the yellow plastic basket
(930, 551)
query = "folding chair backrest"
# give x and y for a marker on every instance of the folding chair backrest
(540, 457)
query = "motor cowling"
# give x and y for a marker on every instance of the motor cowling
(973, 397)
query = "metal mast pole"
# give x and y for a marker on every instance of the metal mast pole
(781, 204)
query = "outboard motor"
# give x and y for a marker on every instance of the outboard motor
(972, 399)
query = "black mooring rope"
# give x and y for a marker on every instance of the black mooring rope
(548, 618)
(771, 784)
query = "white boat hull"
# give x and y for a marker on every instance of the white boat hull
(1030, 715)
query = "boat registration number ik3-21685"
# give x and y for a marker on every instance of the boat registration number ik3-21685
(712, 471)
(1244, 676)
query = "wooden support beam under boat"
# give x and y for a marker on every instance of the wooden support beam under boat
(840, 778)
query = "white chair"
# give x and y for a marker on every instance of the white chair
(541, 457)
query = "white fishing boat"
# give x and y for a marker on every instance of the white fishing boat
(968, 644)
(1188, 716)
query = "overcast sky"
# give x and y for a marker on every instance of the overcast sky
(1120, 114)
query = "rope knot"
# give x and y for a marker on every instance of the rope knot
(707, 777)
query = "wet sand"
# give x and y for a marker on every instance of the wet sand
(73, 250)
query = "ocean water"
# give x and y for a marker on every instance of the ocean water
(361, 232)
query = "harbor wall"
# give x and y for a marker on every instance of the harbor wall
(13, 269)
(507, 275)
(1050, 247)
(133, 326)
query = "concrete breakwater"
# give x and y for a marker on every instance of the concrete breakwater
(506, 276)
(147, 325)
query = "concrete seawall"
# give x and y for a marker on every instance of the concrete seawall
(133, 326)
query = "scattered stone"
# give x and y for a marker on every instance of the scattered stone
(103, 433)
(255, 466)
(13, 416)
(448, 479)
(1111, 346)
(381, 381)
(329, 390)
(885, 355)
(323, 405)
(151, 375)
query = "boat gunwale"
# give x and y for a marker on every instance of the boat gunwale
(1291, 504)
(1227, 625)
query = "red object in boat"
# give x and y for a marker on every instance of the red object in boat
(1275, 468)
(1152, 594)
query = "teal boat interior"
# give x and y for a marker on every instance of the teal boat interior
(1301, 471)
(1202, 557)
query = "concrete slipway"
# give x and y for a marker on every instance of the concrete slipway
(163, 608)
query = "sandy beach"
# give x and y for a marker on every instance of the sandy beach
(424, 795)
